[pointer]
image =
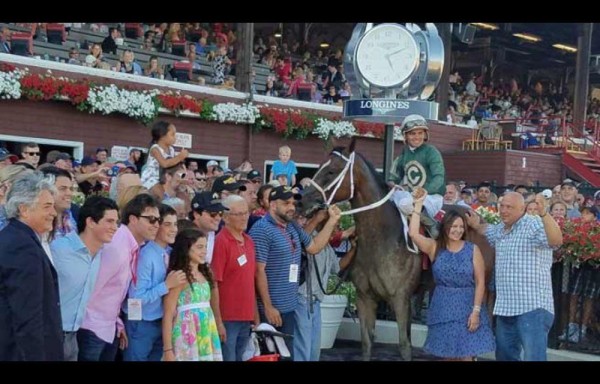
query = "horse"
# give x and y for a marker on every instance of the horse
(383, 268)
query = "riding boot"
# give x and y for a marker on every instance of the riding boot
(430, 225)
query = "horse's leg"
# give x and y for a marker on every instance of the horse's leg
(401, 304)
(366, 307)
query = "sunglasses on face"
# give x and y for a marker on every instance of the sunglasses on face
(32, 153)
(153, 219)
(215, 214)
(201, 178)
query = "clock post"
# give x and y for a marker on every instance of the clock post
(387, 60)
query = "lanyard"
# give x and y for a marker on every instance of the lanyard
(289, 238)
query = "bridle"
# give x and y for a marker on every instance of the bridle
(339, 179)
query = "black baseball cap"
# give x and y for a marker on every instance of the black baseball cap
(253, 174)
(227, 183)
(88, 160)
(283, 193)
(63, 156)
(207, 201)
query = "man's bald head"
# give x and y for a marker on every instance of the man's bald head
(512, 208)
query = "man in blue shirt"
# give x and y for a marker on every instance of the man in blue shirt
(278, 241)
(77, 260)
(145, 333)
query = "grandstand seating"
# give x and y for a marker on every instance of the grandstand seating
(21, 44)
(55, 33)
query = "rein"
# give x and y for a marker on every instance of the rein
(339, 179)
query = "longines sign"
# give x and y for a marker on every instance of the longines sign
(388, 110)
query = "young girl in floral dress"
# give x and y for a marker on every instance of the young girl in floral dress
(189, 326)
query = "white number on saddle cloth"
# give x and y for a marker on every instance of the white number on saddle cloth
(242, 260)
(294, 273)
(134, 309)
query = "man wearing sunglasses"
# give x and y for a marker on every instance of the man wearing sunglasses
(31, 154)
(206, 214)
(419, 165)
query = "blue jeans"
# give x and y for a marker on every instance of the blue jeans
(527, 332)
(145, 340)
(93, 348)
(238, 336)
(307, 331)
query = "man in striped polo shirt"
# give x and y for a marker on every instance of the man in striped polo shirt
(278, 241)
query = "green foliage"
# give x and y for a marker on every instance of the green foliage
(346, 221)
(346, 288)
(207, 110)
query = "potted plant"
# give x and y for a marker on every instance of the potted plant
(333, 306)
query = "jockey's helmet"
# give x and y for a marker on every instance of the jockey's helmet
(412, 122)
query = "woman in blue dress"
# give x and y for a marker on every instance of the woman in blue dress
(458, 324)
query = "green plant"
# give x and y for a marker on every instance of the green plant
(346, 221)
(345, 288)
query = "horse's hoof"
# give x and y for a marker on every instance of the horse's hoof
(406, 355)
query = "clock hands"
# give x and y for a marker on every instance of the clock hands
(389, 55)
(395, 52)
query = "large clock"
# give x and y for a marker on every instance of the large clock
(387, 55)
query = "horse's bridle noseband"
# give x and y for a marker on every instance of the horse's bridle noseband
(339, 179)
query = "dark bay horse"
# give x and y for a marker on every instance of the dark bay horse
(383, 268)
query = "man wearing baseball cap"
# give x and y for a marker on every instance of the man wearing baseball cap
(210, 166)
(568, 194)
(278, 241)
(7, 158)
(419, 165)
(255, 177)
(206, 214)
(227, 185)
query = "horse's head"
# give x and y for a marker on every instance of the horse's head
(332, 182)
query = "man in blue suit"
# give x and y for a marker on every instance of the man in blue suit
(30, 319)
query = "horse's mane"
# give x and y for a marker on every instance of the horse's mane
(383, 187)
(381, 184)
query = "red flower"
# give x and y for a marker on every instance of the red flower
(581, 242)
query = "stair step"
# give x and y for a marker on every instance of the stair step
(592, 165)
(581, 156)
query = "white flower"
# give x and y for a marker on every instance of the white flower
(234, 113)
(10, 87)
(131, 103)
(326, 128)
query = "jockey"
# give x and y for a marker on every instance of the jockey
(419, 165)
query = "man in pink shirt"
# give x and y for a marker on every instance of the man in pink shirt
(102, 330)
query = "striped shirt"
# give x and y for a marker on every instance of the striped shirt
(279, 248)
(523, 262)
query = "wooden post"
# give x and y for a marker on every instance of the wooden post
(582, 76)
(243, 72)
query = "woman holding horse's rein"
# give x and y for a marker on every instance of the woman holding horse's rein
(458, 325)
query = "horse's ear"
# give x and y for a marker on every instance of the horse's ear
(352, 145)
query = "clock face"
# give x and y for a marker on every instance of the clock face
(387, 55)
